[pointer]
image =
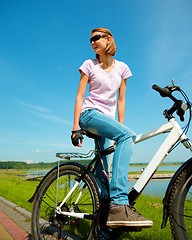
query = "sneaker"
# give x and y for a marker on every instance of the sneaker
(124, 216)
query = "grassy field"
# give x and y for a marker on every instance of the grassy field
(18, 191)
(145, 164)
(158, 172)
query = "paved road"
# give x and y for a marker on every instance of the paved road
(14, 221)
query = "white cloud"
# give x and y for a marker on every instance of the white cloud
(53, 118)
(29, 161)
(35, 107)
(40, 111)
(36, 151)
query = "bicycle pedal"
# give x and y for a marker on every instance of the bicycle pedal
(76, 222)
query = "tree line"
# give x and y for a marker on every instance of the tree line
(43, 165)
(39, 165)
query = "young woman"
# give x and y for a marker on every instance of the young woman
(107, 78)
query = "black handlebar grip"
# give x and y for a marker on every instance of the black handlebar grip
(164, 92)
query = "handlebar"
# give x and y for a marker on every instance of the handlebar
(178, 106)
(164, 92)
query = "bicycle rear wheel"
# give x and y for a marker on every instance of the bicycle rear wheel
(180, 206)
(48, 225)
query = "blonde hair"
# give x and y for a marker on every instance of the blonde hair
(111, 47)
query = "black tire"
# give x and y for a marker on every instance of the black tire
(45, 225)
(180, 206)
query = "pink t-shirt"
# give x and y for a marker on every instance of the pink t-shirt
(103, 86)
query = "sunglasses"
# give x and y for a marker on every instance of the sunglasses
(96, 38)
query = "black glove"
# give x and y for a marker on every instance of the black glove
(78, 136)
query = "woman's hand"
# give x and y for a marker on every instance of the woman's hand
(75, 137)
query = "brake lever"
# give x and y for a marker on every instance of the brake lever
(175, 87)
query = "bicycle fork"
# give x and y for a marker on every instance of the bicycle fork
(71, 213)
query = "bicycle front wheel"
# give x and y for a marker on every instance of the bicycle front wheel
(180, 206)
(47, 224)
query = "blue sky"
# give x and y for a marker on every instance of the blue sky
(42, 45)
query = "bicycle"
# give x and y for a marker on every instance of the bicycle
(67, 203)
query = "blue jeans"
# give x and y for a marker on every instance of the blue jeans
(107, 162)
(96, 122)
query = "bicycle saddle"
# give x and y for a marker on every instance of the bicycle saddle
(88, 134)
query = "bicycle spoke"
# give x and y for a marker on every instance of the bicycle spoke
(84, 199)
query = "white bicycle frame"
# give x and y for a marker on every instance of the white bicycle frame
(176, 134)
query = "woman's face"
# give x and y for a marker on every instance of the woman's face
(99, 42)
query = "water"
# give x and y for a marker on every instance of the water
(35, 174)
(154, 187)
(161, 168)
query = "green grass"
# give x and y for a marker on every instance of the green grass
(163, 164)
(150, 207)
(18, 191)
(15, 189)
(158, 172)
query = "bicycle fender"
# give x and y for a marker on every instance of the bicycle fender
(97, 184)
(37, 188)
(168, 191)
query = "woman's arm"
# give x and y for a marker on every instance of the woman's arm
(121, 101)
(79, 100)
